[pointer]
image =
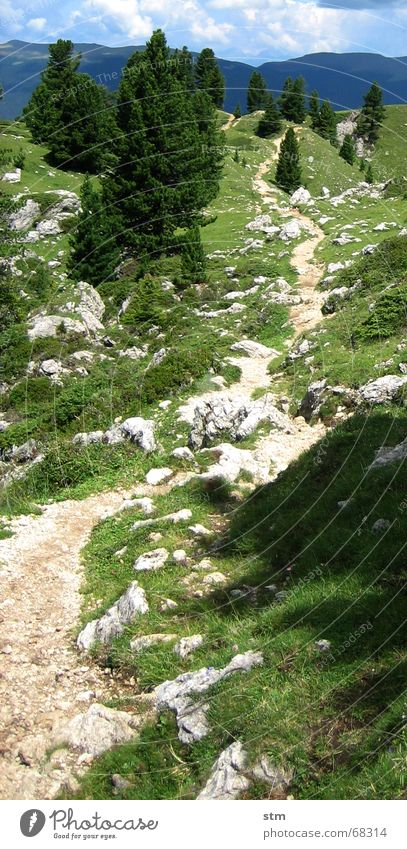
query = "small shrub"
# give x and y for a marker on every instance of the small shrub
(388, 317)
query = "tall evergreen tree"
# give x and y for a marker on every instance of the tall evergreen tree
(184, 67)
(326, 126)
(372, 114)
(193, 259)
(237, 112)
(256, 92)
(70, 113)
(288, 171)
(347, 150)
(209, 78)
(270, 122)
(95, 254)
(299, 100)
(313, 108)
(369, 174)
(169, 153)
(292, 100)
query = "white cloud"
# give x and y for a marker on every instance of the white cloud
(125, 14)
(37, 24)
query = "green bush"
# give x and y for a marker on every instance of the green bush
(178, 369)
(147, 304)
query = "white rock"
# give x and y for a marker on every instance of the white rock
(24, 217)
(140, 644)
(199, 530)
(254, 349)
(183, 453)
(48, 325)
(12, 176)
(99, 729)
(386, 455)
(383, 390)
(131, 604)
(179, 556)
(300, 197)
(227, 780)
(214, 578)
(157, 476)
(187, 645)
(151, 561)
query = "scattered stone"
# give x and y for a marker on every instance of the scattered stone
(191, 715)
(183, 515)
(300, 198)
(131, 604)
(380, 526)
(140, 644)
(385, 456)
(239, 417)
(180, 557)
(157, 476)
(12, 176)
(120, 783)
(23, 218)
(98, 730)
(214, 578)
(226, 780)
(254, 349)
(199, 530)
(151, 561)
(187, 645)
(144, 504)
(183, 453)
(383, 390)
(168, 604)
(323, 645)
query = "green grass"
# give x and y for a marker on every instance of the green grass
(336, 719)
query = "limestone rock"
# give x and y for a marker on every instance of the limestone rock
(12, 176)
(41, 326)
(131, 604)
(157, 476)
(300, 198)
(254, 349)
(277, 778)
(183, 453)
(140, 644)
(239, 417)
(383, 390)
(187, 645)
(151, 561)
(385, 456)
(24, 217)
(99, 729)
(227, 780)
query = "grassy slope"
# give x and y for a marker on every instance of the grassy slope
(338, 719)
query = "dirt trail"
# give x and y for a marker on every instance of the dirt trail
(43, 679)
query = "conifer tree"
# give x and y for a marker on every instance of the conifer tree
(288, 171)
(313, 108)
(369, 174)
(270, 122)
(372, 114)
(347, 150)
(326, 126)
(184, 67)
(95, 254)
(209, 78)
(256, 92)
(292, 100)
(193, 259)
(169, 153)
(237, 112)
(70, 113)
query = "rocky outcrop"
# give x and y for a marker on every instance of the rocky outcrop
(227, 780)
(386, 455)
(151, 561)
(24, 217)
(177, 695)
(384, 390)
(130, 605)
(239, 417)
(136, 429)
(98, 730)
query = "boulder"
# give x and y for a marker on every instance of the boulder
(300, 197)
(292, 230)
(23, 218)
(254, 349)
(12, 176)
(23, 453)
(130, 605)
(141, 432)
(312, 400)
(384, 390)
(279, 779)
(183, 453)
(156, 476)
(91, 438)
(227, 780)
(239, 417)
(261, 224)
(151, 561)
(41, 326)
(98, 730)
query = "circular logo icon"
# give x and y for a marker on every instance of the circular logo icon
(32, 822)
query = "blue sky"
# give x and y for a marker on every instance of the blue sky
(248, 30)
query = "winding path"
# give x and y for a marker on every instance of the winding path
(43, 680)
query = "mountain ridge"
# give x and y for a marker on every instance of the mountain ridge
(340, 77)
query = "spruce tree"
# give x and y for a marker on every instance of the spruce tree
(299, 101)
(70, 113)
(209, 78)
(347, 150)
(256, 92)
(326, 126)
(288, 171)
(237, 112)
(94, 251)
(169, 153)
(369, 174)
(184, 67)
(193, 259)
(372, 114)
(270, 123)
(292, 100)
(313, 108)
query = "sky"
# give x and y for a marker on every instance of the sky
(254, 31)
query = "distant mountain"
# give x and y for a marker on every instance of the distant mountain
(340, 77)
